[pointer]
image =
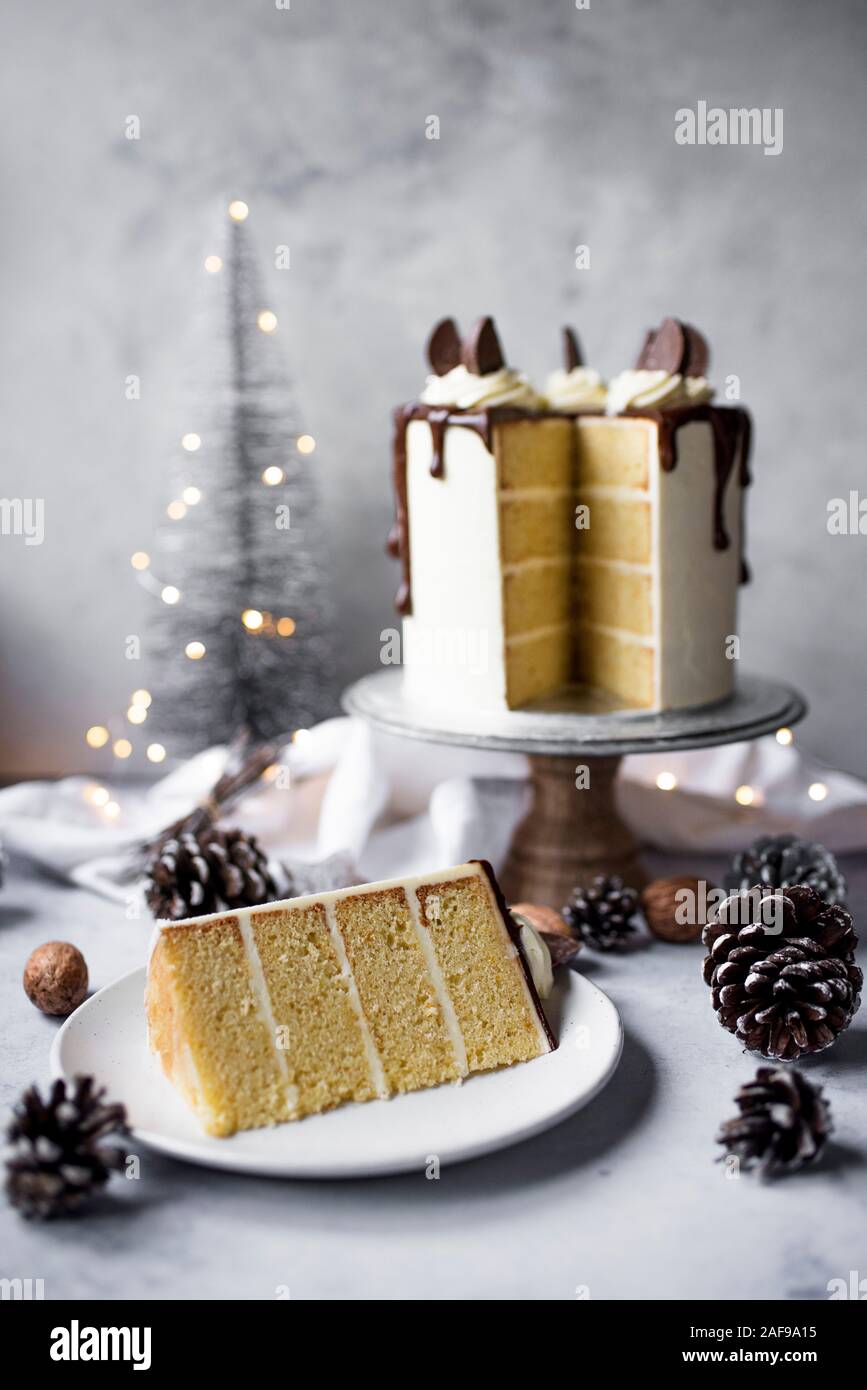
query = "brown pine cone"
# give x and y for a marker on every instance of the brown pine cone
(56, 1158)
(781, 970)
(209, 870)
(784, 1122)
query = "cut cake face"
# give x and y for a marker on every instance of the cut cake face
(271, 1013)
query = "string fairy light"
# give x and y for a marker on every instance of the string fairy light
(785, 737)
(666, 781)
(817, 791)
(255, 621)
(745, 795)
(111, 810)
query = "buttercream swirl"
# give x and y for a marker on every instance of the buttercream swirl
(660, 390)
(464, 391)
(576, 391)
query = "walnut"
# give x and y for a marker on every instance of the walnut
(55, 978)
(671, 914)
(544, 919)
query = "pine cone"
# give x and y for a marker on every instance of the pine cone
(56, 1160)
(605, 916)
(781, 970)
(781, 861)
(784, 1122)
(209, 870)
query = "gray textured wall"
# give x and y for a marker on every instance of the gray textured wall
(556, 129)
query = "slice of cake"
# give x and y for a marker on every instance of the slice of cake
(271, 1013)
(592, 537)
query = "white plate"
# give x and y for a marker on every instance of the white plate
(106, 1037)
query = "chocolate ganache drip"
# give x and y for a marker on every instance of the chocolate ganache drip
(674, 347)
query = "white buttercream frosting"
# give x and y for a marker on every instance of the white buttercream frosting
(643, 390)
(465, 391)
(537, 956)
(581, 389)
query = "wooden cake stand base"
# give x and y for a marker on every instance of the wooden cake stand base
(574, 743)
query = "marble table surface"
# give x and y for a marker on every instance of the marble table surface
(623, 1201)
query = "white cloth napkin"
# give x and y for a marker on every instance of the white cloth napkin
(363, 805)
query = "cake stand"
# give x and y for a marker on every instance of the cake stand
(569, 834)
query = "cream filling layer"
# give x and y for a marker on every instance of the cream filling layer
(532, 494)
(620, 633)
(536, 633)
(437, 978)
(263, 1004)
(621, 566)
(374, 1061)
(540, 562)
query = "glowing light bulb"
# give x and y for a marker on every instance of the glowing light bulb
(141, 697)
(273, 475)
(238, 210)
(95, 796)
(194, 650)
(301, 737)
(140, 560)
(817, 791)
(170, 594)
(121, 748)
(305, 444)
(785, 737)
(666, 781)
(213, 264)
(252, 619)
(745, 796)
(286, 626)
(191, 496)
(111, 810)
(177, 510)
(266, 321)
(136, 714)
(97, 736)
(191, 442)
(156, 753)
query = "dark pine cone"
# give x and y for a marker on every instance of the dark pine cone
(209, 870)
(56, 1160)
(606, 915)
(781, 970)
(784, 1122)
(781, 861)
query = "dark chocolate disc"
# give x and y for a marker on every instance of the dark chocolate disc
(697, 353)
(444, 347)
(482, 352)
(572, 355)
(663, 349)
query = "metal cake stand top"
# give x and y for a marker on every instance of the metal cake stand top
(578, 721)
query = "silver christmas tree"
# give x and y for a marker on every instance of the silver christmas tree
(241, 616)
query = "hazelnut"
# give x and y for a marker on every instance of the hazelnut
(55, 977)
(671, 915)
(543, 918)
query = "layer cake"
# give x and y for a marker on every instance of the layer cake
(592, 536)
(268, 1014)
